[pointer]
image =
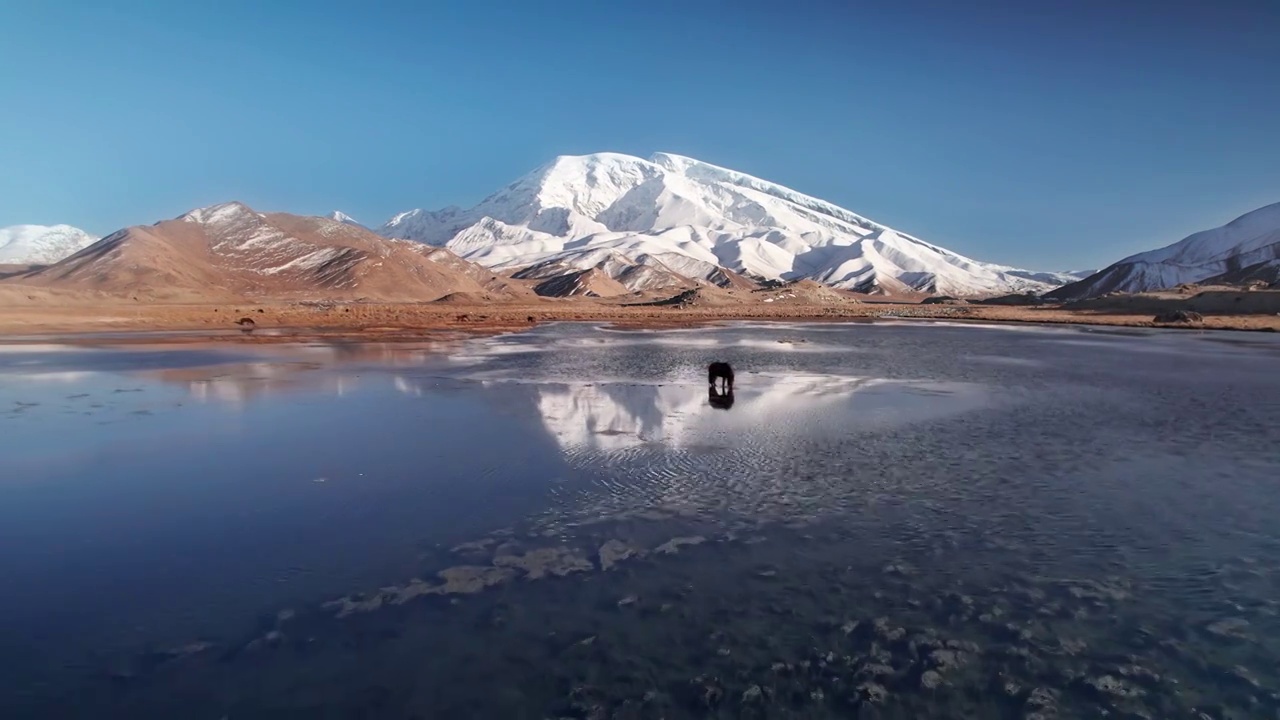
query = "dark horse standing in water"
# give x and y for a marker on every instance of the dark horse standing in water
(720, 371)
(714, 397)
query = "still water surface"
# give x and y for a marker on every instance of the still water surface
(889, 520)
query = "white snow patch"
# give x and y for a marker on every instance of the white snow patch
(310, 261)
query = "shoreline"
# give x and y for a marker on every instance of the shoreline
(280, 322)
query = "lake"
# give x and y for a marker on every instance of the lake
(887, 520)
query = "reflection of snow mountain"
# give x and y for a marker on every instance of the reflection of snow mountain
(612, 416)
(238, 383)
(786, 448)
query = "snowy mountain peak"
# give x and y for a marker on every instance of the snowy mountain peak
(345, 219)
(1250, 240)
(41, 244)
(219, 214)
(671, 205)
(1250, 232)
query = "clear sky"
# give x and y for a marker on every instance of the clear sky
(1046, 134)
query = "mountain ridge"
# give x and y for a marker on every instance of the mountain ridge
(230, 250)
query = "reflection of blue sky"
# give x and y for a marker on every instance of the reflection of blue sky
(182, 494)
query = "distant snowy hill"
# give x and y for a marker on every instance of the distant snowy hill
(683, 212)
(41, 244)
(345, 219)
(1250, 243)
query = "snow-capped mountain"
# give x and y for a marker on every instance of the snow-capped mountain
(1052, 278)
(345, 219)
(1253, 239)
(683, 210)
(41, 244)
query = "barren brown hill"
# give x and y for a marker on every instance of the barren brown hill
(602, 273)
(592, 282)
(12, 270)
(805, 292)
(231, 251)
(1207, 301)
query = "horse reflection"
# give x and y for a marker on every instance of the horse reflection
(719, 400)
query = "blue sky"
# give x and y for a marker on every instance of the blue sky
(1049, 135)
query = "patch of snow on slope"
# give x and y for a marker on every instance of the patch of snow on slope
(345, 219)
(220, 214)
(309, 261)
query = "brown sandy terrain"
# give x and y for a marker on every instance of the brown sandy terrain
(1207, 299)
(50, 313)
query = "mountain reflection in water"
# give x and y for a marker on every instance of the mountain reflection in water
(615, 415)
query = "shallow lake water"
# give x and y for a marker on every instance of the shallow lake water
(895, 520)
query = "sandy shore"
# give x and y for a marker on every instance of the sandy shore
(283, 322)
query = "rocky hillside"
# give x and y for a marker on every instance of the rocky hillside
(230, 250)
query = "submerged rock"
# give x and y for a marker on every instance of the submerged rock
(614, 552)
(1113, 686)
(874, 671)
(467, 579)
(887, 631)
(1229, 628)
(673, 545)
(1139, 673)
(930, 680)
(537, 564)
(946, 659)
(474, 546)
(459, 580)
(708, 691)
(271, 639)
(873, 693)
(1042, 698)
(194, 648)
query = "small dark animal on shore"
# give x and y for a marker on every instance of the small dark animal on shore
(246, 324)
(720, 371)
